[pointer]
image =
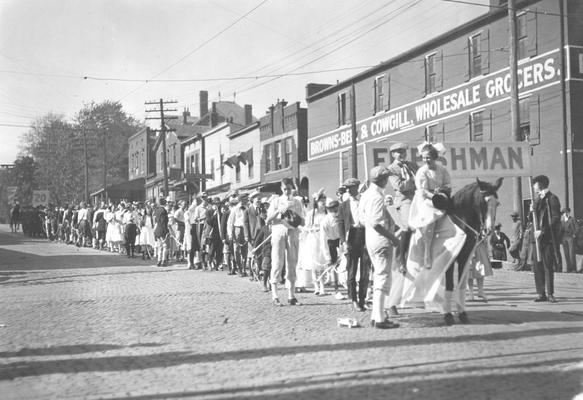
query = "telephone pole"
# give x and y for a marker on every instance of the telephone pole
(354, 133)
(84, 131)
(514, 102)
(163, 131)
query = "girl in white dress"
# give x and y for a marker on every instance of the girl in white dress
(147, 240)
(431, 180)
(312, 253)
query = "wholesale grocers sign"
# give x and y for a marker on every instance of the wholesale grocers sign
(533, 74)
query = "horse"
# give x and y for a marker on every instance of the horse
(473, 208)
(15, 217)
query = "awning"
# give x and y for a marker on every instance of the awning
(243, 157)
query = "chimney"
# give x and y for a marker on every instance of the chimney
(214, 116)
(203, 102)
(271, 126)
(248, 114)
(185, 115)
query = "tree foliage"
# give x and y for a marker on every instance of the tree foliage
(57, 147)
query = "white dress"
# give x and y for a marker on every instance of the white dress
(311, 253)
(147, 232)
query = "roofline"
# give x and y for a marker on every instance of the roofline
(423, 48)
(243, 130)
(141, 130)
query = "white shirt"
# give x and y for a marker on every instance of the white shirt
(82, 214)
(179, 215)
(354, 202)
(373, 212)
(281, 203)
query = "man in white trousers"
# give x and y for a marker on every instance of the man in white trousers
(380, 239)
(284, 240)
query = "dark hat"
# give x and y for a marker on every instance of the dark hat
(566, 210)
(514, 214)
(162, 201)
(331, 203)
(351, 182)
(378, 173)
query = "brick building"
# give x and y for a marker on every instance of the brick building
(283, 133)
(455, 88)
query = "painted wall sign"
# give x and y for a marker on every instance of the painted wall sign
(466, 160)
(533, 74)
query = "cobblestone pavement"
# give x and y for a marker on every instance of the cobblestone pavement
(78, 323)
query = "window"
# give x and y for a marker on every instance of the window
(430, 74)
(278, 155)
(213, 169)
(345, 165)
(521, 36)
(142, 161)
(379, 93)
(431, 133)
(343, 109)
(238, 172)
(287, 159)
(250, 166)
(475, 55)
(524, 115)
(196, 162)
(268, 157)
(222, 166)
(477, 126)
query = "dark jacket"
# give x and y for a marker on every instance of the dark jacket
(548, 212)
(161, 221)
(499, 245)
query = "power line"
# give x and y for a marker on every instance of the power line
(228, 78)
(528, 10)
(15, 125)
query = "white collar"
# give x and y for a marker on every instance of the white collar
(543, 193)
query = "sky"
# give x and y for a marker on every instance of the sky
(57, 55)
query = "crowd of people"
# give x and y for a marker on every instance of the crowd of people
(356, 238)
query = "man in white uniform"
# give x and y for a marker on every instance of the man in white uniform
(379, 238)
(284, 240)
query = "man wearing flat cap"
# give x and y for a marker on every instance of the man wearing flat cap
(253, 212)
(380, 241)
(238, 232)
(402, 179)
(352, 233)
(516, 234)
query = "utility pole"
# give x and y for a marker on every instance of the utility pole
(163, 131)
(354, 133)
(84, 131)
(514, 102)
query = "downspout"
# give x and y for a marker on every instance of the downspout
(564, 104)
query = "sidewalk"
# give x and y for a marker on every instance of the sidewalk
(79, 323)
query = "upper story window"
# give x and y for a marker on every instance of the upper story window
(475, 55)
(477, 126)
(267, 151)
(380, 90)
(212, 169)
(522, 36)
(222, 166)
(343, 109)
(238, 172)
(278, 158)
(287, 158)
(431, 73)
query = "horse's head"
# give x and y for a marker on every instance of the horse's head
(489, 203)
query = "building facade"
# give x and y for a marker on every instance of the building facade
(283, 134)
(456, 89)
(244, 158)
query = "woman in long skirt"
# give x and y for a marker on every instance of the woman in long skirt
(312, 253)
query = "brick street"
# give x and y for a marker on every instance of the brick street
(78, 323)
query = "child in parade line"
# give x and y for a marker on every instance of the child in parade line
(263, 253)
(311, 259)
(332, 242)
(227, 253)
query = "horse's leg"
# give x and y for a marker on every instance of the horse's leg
(448, 317)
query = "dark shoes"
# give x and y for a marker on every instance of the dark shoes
(294, 302)
(540, 299)
(448, 319)
(463, 316)
(386, 324)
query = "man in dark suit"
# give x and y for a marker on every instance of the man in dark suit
(352, 231)
(548, 211)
